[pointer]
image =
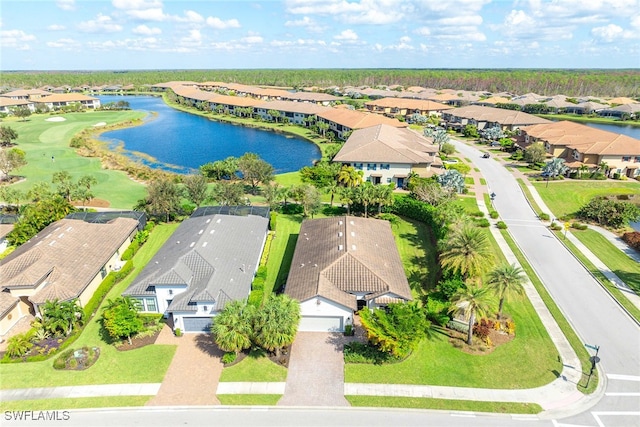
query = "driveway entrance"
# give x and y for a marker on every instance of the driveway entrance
(316, 371)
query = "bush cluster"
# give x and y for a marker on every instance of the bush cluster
(632, 239)
(357, 352)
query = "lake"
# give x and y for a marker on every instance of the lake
(182, 142)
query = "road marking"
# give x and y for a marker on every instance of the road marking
(518, 417)
(597, 415)
(557, 424)
(463, 414)
(623, 377)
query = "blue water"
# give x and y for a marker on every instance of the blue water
(182, 142)
(632, 131)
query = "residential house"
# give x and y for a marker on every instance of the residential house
(295, 112)
(629, 110)
(581, 145)
(341, 265)
(405, 107)
(208, 261)
(68, 259)
(485, 117)
(25, 94)
(56, 101)
(8, 104)
(342, 121)
(386, 154)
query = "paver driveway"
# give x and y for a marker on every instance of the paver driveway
(316, 371)
(192, 377)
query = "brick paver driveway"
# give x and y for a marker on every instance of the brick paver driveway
(316, 371)
(192, 377)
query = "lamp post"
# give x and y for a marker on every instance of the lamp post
(594, 359)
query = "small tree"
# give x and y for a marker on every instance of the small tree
(65, 185)
(506, 280)
(163, 198)
(120, 318)
(472, 302)
(11, 159)
(447, 149)
(61, 317)
(452, 180)
(196, 188)
(21, 112)
(535, 153)
(228, 193)
(7, 136)
(233, 327)
(276, 323)
(255, 170)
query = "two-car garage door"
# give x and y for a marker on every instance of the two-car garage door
(320, 324)
(197, 324)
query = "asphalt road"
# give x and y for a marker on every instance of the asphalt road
(595, 316)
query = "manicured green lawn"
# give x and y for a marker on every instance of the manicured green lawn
(281, 252)
(529, 360)
(113, 366)
(444, 404)
(619, 263)
(468, 203)
(249, 399)
(568, 196)
(418, 254)
(41, 140)
(254, 369)
(75, 403)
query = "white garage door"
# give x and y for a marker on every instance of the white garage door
(320, 324)
(197, 324)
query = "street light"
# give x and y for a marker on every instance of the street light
(594, 359)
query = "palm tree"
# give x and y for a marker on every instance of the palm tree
(332, 189)
(472, 302)
(61, 317)
(583, 168)
(383, 196)
(467, 251)
(276, 323)
(349, 176)
(506, 280)
(233, 329)
(365, 194)
(347, 196)
(604, 167)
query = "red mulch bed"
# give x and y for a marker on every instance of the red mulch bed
(459, 340)
(137, 342)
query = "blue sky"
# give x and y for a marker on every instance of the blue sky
(163, 34)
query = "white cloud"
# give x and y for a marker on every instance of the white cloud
(347, 35)
(193, 39)
(146, 31)
(136, 4)
(56, 27)
(405, 39)
(192, 17)
(66, 44)
(253, 39)
(423, 31)
(152, 14)
(307, 23)
(102, 24)
(16, 39)
(66, 4)
(219, 24)
(611, 33)
(376, 12)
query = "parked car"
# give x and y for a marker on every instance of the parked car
(486, 155)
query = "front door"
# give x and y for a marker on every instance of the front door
(400, 182)
(375, 180)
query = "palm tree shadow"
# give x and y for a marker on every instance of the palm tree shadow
(204, 343)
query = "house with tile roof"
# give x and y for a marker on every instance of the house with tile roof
(405, 107)
(68, 259)
(388, 155)
(296, 112)
(59, 100)
(342, 121)
(8, 104)
(210, 260)
(342, 265)
(485, 117)
(579, 145)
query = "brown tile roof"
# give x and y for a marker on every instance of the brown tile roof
(415, 104)
(236, 101)
(8, 102)
(496, 115)
(387, 144)
(7, 301)
(584, 139)
(65, 97)
(26, 92)
(621, 100)
(356, 119)
(67, 254)
(338, 256)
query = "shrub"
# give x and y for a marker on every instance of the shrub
(494, 214)
(348, 330)
(60, 362)
(477, 214)
(483, 328)
(632, 239)
(484, 222)
(555, 226)
(622, 197)
(501, 225)
(273, 217)
(579, 226)
(256, 297)
(459, 326)
(357, 352)
(178, 332)
(544, 216)
(229, 357)
(511, 327)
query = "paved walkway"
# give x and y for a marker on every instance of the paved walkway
(316, 371)
(192, 377)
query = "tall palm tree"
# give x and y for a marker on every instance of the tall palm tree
(506, 280)
(349, 176)
(347, 196)
(466, 251)
(365, 194)
(332, 189)
(233, 329)
(276, 323)
(383, 196)
(472, 302)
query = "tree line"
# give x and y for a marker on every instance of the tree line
(570, 82)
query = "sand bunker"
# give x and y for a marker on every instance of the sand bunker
(100, 124)
(55, 119)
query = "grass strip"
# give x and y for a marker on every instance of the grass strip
(565, 326)
(254, 369)
(75, 403)
(448, 404)
(629, 277)
(249, 399)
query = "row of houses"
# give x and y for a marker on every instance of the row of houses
(46, 101)
(340, 265)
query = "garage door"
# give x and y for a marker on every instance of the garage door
(197, 324)
(320, 324)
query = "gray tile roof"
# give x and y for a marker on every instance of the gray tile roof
(339, 256)
(214, 256)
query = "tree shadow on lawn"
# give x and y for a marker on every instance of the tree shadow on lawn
(285, 265)
(204, 343)
(631, 279)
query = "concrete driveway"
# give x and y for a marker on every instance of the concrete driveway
(316, 371)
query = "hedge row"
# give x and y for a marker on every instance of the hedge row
(420, 211)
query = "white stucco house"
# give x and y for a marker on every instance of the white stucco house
(341, 265)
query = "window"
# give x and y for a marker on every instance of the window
(626, 158)
(103, 272)
(372, 166)
(170, 291)
(385, 166)
(357, 166)
(150, 304)
(636, 159)
(205, 308)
